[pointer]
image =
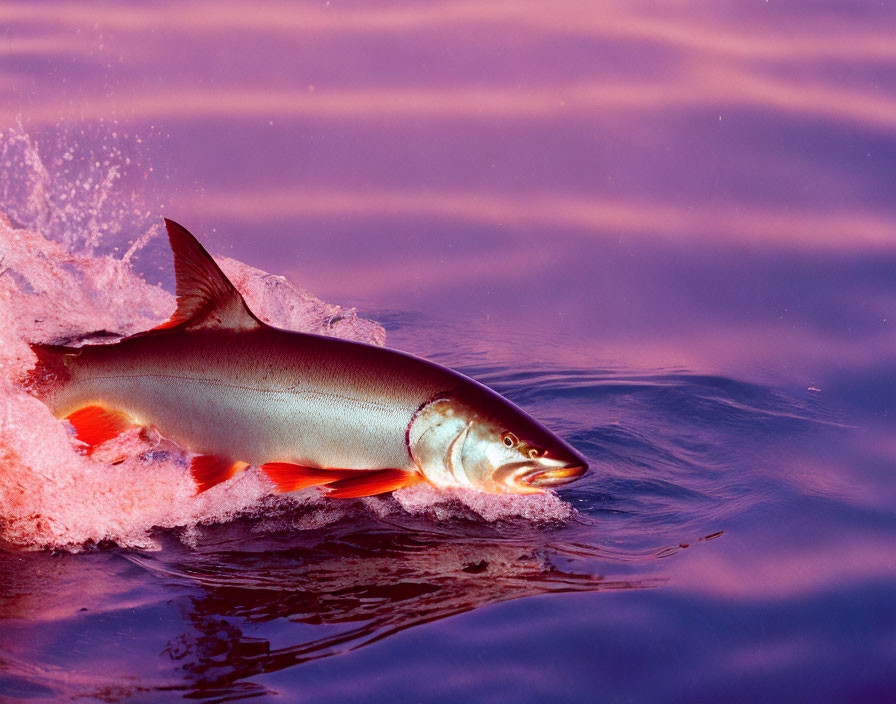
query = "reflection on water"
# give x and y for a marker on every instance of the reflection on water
(343, 588)
(368, 584)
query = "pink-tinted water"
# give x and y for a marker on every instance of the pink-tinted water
(667, 231)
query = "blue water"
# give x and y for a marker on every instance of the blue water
(707, 560)
(668, 233)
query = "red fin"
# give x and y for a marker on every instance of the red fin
(292, 477)
(209, 470)
(95, 424)
(376, 481)
(205, 297)
(172, 322)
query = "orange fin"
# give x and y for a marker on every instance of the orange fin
(376, 481)
(95, 424)
(205, 296)
(292, 477)
(209, 470)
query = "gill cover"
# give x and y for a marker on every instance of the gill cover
(436, 437)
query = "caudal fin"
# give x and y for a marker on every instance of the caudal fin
(51, 369)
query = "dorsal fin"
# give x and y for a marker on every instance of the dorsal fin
(205, 297)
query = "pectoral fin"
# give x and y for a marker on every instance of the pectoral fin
(341, 483)
(377, 481)
(94, 425)
(209, 470)
(287, 476)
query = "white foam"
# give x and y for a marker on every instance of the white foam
(441, 504)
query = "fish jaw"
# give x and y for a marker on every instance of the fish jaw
(550, 476)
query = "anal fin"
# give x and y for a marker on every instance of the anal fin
(288, 476)
(94, 425)
(210, 470)
(371, 482)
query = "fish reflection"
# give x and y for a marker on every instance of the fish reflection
(357, 588)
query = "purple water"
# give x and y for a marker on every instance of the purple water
(668, 232)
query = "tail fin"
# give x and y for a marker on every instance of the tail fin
(51, 369)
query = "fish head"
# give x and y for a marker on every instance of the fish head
(479, 440)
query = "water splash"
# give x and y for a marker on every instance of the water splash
(78, 188)
(56, 287)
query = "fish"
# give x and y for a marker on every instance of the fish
(309, 410)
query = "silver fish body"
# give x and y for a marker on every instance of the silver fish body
(221, 383)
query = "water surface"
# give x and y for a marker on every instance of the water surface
(666, 232)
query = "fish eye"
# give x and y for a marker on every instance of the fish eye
(509, 439)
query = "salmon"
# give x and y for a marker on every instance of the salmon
(308, 410)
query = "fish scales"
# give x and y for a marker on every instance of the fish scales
(261, 395)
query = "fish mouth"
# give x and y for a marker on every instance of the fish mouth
(550, 477)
